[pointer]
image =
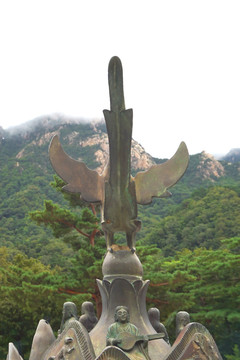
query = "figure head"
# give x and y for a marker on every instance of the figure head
(87, 308)
(122, 314)
(182, 319)
(69, 311)
(154, 315)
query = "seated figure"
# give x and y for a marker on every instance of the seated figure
(122, 331)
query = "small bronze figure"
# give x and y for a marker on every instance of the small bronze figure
(69, 312)
(182, 319)
(88, 317)
(124, 335)
(154, 317)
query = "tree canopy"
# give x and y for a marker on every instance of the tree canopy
(208, 216)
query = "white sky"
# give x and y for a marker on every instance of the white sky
(181, 64)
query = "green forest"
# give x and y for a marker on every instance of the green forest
(52, 246)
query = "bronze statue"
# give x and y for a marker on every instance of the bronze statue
(124, 335)
(88, 317)
(182, 319)
(154, 317)
(69, 313)
(116, 190)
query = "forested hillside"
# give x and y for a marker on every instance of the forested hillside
(26, 172)
(44, 263)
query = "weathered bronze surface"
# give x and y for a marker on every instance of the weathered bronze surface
(194, 342)
(88, 317)
(69, 312)
(182, 319)
(42, 340)
(130, 291)
(155, 181)
(75, 173)
(13, 353)
(126, 335)
(154, 317)
(116, 190)
(73, 343)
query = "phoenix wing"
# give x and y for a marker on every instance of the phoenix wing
(76, 174)
(155, 181)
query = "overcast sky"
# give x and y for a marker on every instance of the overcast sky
(181, 64)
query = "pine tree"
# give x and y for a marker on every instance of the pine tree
(77, 225)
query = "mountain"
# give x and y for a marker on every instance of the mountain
(77, 135)
(233, 156)
(26, 172)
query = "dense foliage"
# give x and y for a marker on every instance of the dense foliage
(204, 282)
(208, 216)
(29, 292)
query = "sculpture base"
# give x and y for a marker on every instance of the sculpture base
(123, 285)
(121, 262)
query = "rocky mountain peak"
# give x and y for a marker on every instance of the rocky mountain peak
(208, 167)
(88, 141)
(233, 156)
(139, 158)
(77, 135)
